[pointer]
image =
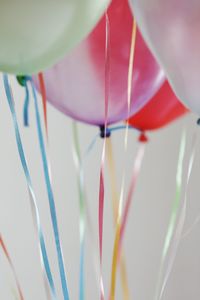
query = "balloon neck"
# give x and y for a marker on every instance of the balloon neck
(22, 79)
(143, 138)
(104, 132)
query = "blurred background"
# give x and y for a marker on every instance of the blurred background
(148, 218)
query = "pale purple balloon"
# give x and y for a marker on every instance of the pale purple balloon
(76, 85)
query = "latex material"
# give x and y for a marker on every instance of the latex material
(76, 85)
(35, 34)
(162, 109)
(171, 29)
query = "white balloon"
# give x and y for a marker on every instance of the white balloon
(34, 34)
(171, 28)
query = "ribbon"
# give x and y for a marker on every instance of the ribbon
(44, 100)
(121, 223)
(5, 251)
(192, 156)
(26, 106)
(51, 198)
(47, 275)
(117, 233)
(101, 179)
(173, 234)
(22, 80)
(115, 203)
(78, 163)
(91, 235)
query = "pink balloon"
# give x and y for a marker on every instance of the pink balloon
(76, 85)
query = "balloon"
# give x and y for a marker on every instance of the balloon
(76, 85)
(171, 29)
(34, 34)
(162, 109)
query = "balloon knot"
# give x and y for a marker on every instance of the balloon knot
(104, 133)
(143, 138)
(22, 79)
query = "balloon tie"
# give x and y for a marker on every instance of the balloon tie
(47, 274)
(22, 80)
(104, 132)
(47, 174)
(143, 138)
(198, 122)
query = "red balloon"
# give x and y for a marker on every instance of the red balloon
(162, 109)
(76, 85)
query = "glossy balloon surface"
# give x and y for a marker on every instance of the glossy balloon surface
(161, 110)
(76, 85)
(171, 29)
(34, 34)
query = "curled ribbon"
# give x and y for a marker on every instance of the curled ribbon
(50, 197)
(48, 279)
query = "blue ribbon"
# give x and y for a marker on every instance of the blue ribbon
(50, 197)
(30, 187)
(122, 127)
(26, 106)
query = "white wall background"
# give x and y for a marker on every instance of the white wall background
(149, 213)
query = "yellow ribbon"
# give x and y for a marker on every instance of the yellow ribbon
(115, 203)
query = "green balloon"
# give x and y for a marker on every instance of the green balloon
(34, 34)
